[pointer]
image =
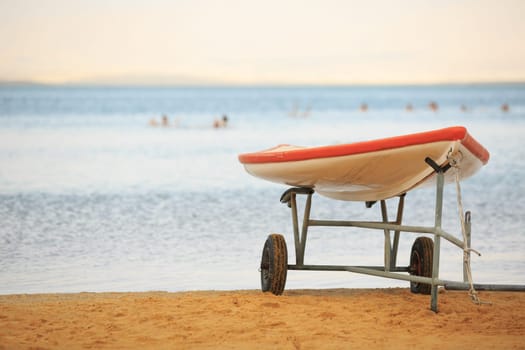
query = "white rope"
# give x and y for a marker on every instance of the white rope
(455, 162)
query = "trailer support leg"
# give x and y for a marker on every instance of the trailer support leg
(299, 240)
(437, 240)
(388, 247)
(399, 219)
(467, 258)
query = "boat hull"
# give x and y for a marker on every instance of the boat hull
(372, 170)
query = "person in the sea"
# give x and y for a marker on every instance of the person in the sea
(221, 123)
(153, 122)
(165, 121)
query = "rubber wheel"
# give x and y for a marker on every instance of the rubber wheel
(421, 263)
(274, 264)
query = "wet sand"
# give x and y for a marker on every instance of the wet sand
(300, 319)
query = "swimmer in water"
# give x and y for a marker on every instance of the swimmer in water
(222, 123)
(165, 121)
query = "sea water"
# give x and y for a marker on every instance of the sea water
(93, 198)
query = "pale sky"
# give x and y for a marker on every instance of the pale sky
(262, 42)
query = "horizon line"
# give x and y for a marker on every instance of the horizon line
(254, 84)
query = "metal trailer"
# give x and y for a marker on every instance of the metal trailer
(423, 271)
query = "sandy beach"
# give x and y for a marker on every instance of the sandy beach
(299, 319)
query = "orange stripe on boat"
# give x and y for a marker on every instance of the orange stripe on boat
(455, 133)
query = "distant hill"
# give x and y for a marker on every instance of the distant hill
(140, 80)
(156, 80)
